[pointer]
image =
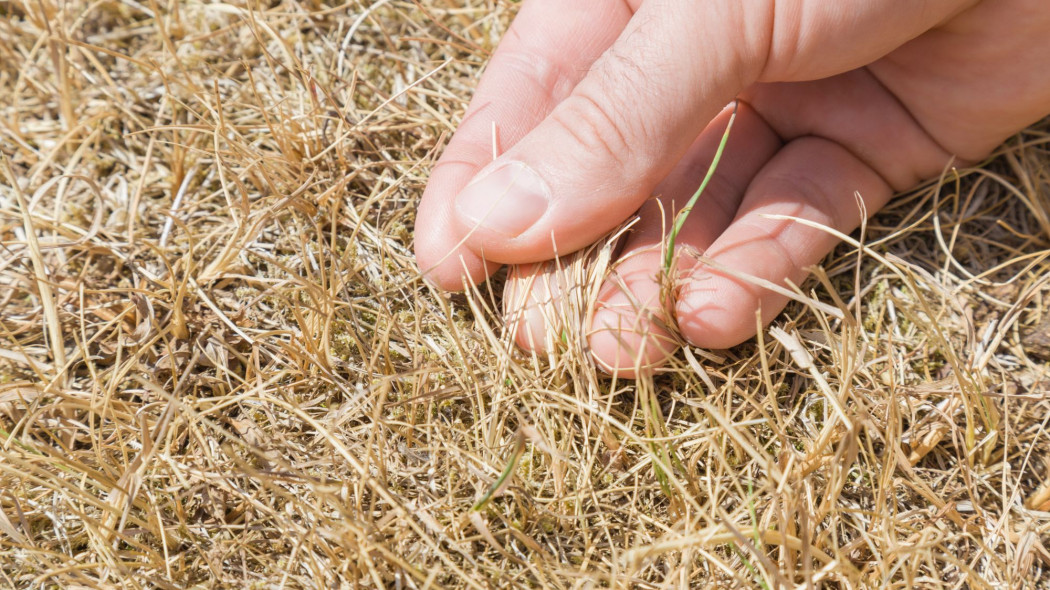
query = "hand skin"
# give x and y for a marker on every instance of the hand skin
(607, 108)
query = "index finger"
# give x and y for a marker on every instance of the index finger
(549, 48)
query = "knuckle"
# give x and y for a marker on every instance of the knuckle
(811, 200)
(636, 78)
(545, 75)
(594, 129)
(775, 236)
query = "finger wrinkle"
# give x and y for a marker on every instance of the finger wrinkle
(548, 78)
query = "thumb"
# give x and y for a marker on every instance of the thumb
(591, 163)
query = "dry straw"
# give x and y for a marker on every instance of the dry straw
(219, 368)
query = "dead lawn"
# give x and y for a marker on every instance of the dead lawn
(219, 367)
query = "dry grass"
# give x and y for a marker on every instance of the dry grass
(218, 366)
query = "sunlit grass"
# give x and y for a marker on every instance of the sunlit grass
(251, 386)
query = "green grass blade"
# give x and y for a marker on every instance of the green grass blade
(504, 478)
(679, 220)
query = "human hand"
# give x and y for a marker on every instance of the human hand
(602, 104)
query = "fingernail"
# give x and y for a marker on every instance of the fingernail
(508, 199)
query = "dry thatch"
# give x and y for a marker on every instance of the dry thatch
(219, 367)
